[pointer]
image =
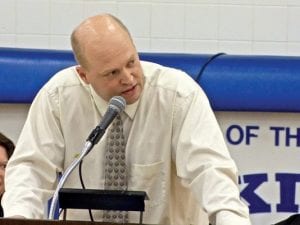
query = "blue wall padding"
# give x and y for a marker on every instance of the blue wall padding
(24, 71)
(232, 82)
(253, 83)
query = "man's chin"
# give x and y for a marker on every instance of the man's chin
(130, 101)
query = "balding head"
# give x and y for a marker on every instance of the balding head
(95, 32)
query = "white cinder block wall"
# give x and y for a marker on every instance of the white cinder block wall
(192, 26)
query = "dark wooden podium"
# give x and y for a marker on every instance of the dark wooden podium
(6, 221)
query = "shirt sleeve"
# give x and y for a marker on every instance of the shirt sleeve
(31, 174)
(203, 161)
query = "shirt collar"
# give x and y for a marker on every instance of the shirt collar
(102, 105)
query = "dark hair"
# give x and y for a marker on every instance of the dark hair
(7, 144)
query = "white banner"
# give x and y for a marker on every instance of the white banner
(266, 148)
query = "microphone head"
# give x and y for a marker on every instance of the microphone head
(118, 103)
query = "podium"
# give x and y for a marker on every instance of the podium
(70, 198)
(85, 199)
(8, 221)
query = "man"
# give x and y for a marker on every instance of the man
(175, 150)
(6, 150)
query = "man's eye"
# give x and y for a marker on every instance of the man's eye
(2, 165)
(131, 63)
(111, 73)
(114, 72)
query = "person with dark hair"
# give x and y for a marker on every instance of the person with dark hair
(166, 142)
(6, 150)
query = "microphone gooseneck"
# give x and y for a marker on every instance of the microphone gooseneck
(116, 105)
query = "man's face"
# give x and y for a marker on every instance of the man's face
(114, 69)
(3, 162)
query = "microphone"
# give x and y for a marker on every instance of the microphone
(116, 105)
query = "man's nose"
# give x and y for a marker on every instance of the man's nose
(127, 77)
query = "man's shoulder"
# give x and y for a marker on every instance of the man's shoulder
(168, 78)
(64, 78)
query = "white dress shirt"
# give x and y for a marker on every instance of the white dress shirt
(175, 151)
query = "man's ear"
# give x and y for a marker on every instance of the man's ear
(81, 71)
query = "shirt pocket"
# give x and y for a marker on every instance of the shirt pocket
(148, 178)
